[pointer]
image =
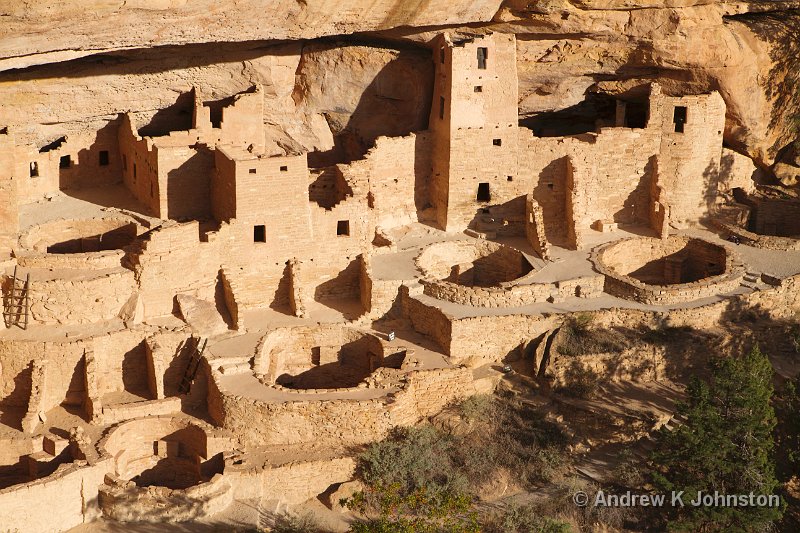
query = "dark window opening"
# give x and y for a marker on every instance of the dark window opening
(441, 55)
(252, 171)
(497, 142)
(441, 107)
(550, 186)
(636, 114)
(65, 161)
(34, 169)
(284, 169)
(511, 178)
(134, 170)
(483, 56)
(343, 227)
(478, 89)
(104, 158)
(483, 193)
(679, 118)
(260, 233)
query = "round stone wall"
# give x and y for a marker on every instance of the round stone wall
(488, 274)
(473, 263)
(662, 271)
(77, 243)
(321, 358)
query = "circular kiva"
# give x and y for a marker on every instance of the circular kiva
(325, 358)
(77, 243)
(664, 271)
(480, 274)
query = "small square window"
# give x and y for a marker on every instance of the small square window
(497, 142)
(65, 161)
(34, 169)
(343, 227)
(104, 158)
(550, 186)
(260, 233)
(284, 169)
(478, 88)
(510, 178)
(252, 171)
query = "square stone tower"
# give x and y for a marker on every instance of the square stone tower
(475, 127)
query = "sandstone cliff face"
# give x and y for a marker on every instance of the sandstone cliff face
(68, 68)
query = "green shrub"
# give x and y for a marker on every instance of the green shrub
(477, 408)
(666, 333)
(412, 459)
(577, 337)
(524, 519)
(389, 510)
(290, 523)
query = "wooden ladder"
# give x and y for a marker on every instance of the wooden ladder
(194, 363)
(16, 311)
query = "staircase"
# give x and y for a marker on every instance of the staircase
(16, 308)
(194, 363)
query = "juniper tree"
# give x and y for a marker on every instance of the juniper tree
(725, 445)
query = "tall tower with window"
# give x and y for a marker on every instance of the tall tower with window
(475, 127)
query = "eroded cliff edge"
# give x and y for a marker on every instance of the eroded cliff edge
(341, 73)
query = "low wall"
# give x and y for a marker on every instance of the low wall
(515, 295)
(340, 422)
(69, 494)
(78, 298)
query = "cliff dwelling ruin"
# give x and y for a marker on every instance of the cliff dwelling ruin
(227, 267)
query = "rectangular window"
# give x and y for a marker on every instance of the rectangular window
(483, 56)
(497, 142)
(441, 55)
(260, 233)
(679, 118)
(65, 161)
(483, 193)
(34, 169)
(478, 89)
(343, 227)
(134, 170)
(252, 171)
(441, 107)
(103, 158)
(284, 169)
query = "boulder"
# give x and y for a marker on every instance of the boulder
(202, 316)
(787, 174)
